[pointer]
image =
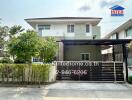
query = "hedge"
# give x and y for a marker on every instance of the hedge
(24, 73)
(130, 79)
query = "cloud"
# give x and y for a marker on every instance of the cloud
(83, 5)
(104, 4)
(84, 8)
(95, 5)
(107, 3)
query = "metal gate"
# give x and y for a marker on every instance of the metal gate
(90, 71)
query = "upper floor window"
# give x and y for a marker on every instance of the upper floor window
(129, 32)
(87, 28)
(43, 27)
(117, 35)
(113, 36)
(70, 28)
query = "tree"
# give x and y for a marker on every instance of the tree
(3, 41)
(25, 46)
(48, 49)
(14, 30)
(3, 34)
(130, 46)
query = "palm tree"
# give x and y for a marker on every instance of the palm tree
(14, 30)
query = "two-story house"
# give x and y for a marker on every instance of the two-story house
(79, 54)
(70, 28)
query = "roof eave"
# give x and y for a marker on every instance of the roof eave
(40, 20)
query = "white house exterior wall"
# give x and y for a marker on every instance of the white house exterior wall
(122, 34)
(60, 30)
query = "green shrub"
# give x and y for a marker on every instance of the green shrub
(6, 60)
(34, 73)
(130, 79)
(42, 70)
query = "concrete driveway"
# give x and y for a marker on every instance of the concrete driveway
(69, 91)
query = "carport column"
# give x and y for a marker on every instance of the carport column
(61, 51)
(113, 53)
(125, 59)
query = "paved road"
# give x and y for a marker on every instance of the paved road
(69, 91)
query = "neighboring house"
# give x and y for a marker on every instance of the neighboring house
(73, 28)
(124, 31)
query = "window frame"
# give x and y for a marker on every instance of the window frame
(87, 27)
(44, 27)
(117, 35)
(84, 59)
(41, 28)
(114, 36)
(130, 28)
(70, 29)
(36, 59)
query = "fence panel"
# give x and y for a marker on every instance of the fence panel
(90, 70)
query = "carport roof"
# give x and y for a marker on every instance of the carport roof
(96, 42)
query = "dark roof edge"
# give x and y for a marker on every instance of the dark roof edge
(63, 18)
(95, 40)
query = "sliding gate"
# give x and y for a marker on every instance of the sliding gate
(90, 71)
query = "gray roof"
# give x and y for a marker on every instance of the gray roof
(124, 26)
(63, 18)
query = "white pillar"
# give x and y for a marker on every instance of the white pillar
(61, 51)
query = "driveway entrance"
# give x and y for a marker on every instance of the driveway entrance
(73, 85)
(88, 91)
(69, 91)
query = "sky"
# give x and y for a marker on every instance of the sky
(13, 12)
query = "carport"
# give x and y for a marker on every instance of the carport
(94, 70)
